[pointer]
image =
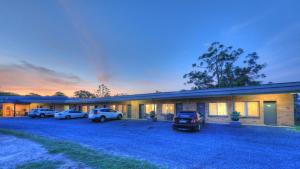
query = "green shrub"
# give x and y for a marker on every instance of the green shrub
(235, 116)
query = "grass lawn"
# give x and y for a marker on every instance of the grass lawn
(76, 152)
(45, 164)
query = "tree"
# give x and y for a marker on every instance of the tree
(84, 94)
(8, 94)
(33, 94)
(102, 91)
(218, 67)
(59, 94)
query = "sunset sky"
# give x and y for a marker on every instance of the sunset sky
(137, 46)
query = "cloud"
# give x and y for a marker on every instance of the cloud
(283, 49)
(94, 51)
(25, 77)
(248, 22)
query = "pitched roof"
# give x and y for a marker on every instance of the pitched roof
(291, 87)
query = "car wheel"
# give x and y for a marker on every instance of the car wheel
(119, 117)
(42, 115)
(85, 116)
(102, 119)
(68, 117)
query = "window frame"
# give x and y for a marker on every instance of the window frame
(246, 109)
(165, 113)
(210, 115)
(154, 108)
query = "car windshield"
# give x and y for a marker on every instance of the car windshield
(186, 114)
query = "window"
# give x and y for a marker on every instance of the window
(168, 109)
(112, 107)
(150, 108)
(218, 109)
(240, 107)
(247, 109)
(253, 109)
(120, 108)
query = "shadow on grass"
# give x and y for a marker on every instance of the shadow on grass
(82, 154)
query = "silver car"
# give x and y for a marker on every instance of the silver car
(41, 112)
(69, 114)
(102, 114)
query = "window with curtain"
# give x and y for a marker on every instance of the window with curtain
(218, 109)
(149, 108)
(240, 107)
(247, 109)
(168, 109)
(120, 108)
(112, 107)
(253, 109)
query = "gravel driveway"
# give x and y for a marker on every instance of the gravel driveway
(215, 146)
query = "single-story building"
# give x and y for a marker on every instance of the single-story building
(268, 104)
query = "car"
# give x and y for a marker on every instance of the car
(69, 114)
(188, 120)
(41, 112)
(103, 114)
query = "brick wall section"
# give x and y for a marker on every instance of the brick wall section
(284, 103)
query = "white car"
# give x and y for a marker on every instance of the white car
(41, 112)
(102, 114)
(69, 114)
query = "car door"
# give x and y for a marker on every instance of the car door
(45, 111)
(106, 113)
(112, 113)
(76, 114)
(70, 113)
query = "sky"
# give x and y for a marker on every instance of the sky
(137, 46)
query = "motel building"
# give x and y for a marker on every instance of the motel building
(269, 104)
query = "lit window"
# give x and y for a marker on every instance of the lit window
(66, 107)
(218, 109)
(240, 107)
(168, 109)
(150, 108)
(247, 109)
(213, 109)
(112, 107)
(124, 108)
(120, 108)
(253, 109)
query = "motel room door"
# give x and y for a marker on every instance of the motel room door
(178, 108)
(141, 111)
(201, 109)
(129, 111)
(270, 114)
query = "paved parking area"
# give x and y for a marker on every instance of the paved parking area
(216, 146)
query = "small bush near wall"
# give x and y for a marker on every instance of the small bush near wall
(235, 116)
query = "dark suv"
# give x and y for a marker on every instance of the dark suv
(188, 120)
